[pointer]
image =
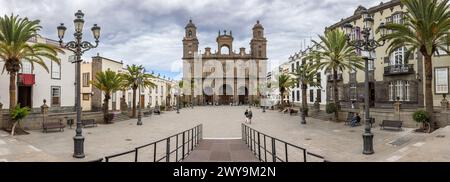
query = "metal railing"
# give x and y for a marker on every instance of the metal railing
(185, 142)
(399, 69)
(330, 77)
(265, 147)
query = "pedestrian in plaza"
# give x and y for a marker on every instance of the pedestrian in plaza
(356, 120)
(249, 116)
(246, 116)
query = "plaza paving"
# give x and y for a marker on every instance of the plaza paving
(334, 141)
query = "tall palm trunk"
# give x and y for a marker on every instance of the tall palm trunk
(134, 103)
(304, 103)
(428, 86)
(106, 118)
(335, 96)
(12, 89)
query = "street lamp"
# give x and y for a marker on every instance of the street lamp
(177, 95)
(368, 45)
(78, 47)
(139, 122)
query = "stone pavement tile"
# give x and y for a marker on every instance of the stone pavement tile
(243, 156)
(220, 156)
(335, 141)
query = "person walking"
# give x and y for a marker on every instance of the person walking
(246, 116)
(249, 116)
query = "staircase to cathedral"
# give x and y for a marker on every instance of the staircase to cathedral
(322, 115)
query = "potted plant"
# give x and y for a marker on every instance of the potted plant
(17, 114)
(422, 117)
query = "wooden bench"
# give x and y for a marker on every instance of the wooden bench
(53, 125)
(392, 124)
(88, 122)
(148, 113)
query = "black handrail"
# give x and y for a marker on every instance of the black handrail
(194, 136)
(252, 138)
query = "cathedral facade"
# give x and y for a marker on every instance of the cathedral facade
(224, 76)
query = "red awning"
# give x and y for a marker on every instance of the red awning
(26, 79)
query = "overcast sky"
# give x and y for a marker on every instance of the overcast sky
(149, 32)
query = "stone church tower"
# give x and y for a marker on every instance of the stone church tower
(236, 93)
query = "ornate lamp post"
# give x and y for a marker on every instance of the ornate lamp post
(139, 121)
(368, 45)
(177, 95)
(78, 47)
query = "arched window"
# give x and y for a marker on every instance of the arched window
(225, 50)
(190, 33)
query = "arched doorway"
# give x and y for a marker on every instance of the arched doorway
(225, 94)
(208, 95)
(243, 95)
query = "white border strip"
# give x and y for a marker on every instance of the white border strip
(222, 138)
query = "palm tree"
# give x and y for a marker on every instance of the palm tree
(305, 75)
(335, 54)
(285, 83)
(131, 80)
(14, 49)
(426, 28)
(108, 82)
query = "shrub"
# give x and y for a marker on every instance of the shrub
(421, 116)
(162, 108)
(331, 108)
(17, 114)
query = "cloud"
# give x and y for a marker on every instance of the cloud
(149, 32)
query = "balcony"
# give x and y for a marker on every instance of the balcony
(399, 69)
(25, 79)
(330, 77)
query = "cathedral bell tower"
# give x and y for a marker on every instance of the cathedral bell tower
(190, 41)
(258, 43)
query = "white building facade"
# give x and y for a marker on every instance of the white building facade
(57, 86)
(315, 94)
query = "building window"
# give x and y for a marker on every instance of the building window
(311, 95)
(56, 96)
(399, 90)
(297, 64)
(397, 18)
(26, 67)
(150, 100)
(86, 97)
(397, 58)
(292, 96)
(441, 80)
(293, 67)
(391, 92)
(353, 94)
(113, 97)
(298, 95)
(130, 97)
(55, 70)
(370, 65)
(86, 79)
(319, 95)
(319, 78)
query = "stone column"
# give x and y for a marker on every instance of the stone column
(44, 112)
(443, 119)
(397, 109)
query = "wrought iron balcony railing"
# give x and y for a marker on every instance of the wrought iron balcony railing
(330, 77)
(399, 69)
